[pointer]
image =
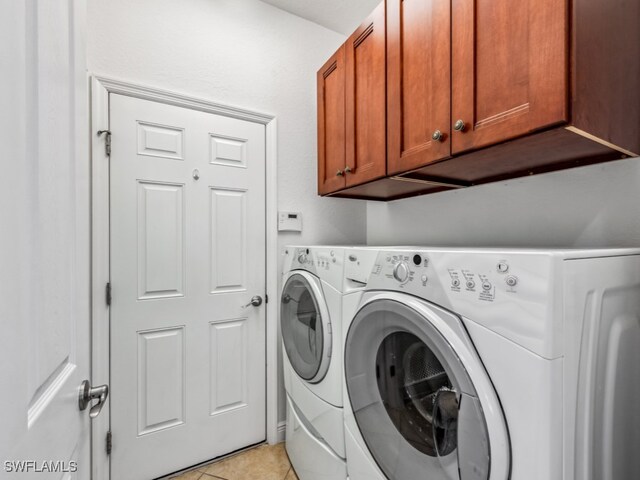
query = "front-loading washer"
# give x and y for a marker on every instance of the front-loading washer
(494, 364)
(311, 328)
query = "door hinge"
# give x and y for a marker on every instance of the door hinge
(107, 142)
(266, 298)
(108, 293)
(109, 442)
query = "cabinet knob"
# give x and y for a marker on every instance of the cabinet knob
(459, 126)
(348, 169)
(437, 136)
(339, 173)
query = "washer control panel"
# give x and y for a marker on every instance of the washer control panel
(508, 292)
(401, 267)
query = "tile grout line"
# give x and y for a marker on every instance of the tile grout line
(212, 476)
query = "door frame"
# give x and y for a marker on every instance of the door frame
(100, 88)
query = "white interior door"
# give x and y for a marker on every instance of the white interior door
(44, 241)
(187, 255)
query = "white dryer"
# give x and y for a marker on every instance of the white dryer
(310, 323)
(494, 364)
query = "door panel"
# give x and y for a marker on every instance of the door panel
(331, 124)
(161, 233)
(418, 82)
(44, 254)
(366, 100)
(413, 399)
(161, 386)
(509, 69)
(187, 253)
(229, 352)
(228, 226)
(306, 327)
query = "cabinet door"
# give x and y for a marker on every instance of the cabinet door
(418, 83)
(509, 69)
(366, 100)
(331, 124)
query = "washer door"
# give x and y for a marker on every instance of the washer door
(305, 326)
(411, 374)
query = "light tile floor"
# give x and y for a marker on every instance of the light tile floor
(266, 462)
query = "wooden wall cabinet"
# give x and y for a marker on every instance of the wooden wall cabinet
(509, 69)
(351, 109)
(484, 90)
(331, 124)
(418, 83)
(365, 100)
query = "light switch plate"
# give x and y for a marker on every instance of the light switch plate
(289, 221)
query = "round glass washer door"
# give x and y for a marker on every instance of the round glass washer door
(413, 399)
(305, 326)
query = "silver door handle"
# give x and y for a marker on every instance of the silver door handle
(89, 393)
(255, 301)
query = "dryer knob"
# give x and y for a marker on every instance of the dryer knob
(401, 272)
(302, 258)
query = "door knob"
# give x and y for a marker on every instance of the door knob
(89, 393)
(437, 136)
(256, 301)
(348, 169)
(339, 173)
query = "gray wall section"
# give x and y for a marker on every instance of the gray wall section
(593, 206)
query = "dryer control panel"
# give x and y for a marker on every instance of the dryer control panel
(327, 263)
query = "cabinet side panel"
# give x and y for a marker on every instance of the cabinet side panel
(606, 65)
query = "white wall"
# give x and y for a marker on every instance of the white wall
(242, 53)
(593, 206)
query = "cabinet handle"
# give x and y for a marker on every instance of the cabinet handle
(459, 126)
(348, 169)
(437, 136)
(339, 173)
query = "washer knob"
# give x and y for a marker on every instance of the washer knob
(401, 272)
(302, 258)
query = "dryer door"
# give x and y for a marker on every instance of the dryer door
(305, 326)
(420, 396)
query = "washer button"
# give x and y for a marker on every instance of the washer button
(486, 285)
(424, 278)
(455, 282)
(471, 284)
(511, 280)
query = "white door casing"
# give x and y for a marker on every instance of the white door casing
(44, 259)
(187, 254)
